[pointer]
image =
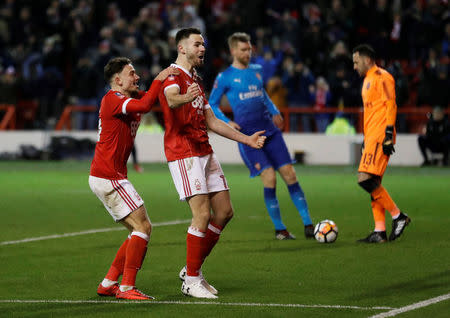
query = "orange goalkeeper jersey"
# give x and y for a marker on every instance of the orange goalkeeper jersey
(380, 109)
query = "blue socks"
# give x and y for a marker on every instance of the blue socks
(298, 197)
(272, 206)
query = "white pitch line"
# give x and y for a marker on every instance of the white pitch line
(108, 229)
(414, 306)
(168, 302)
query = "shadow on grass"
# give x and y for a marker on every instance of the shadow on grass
(432, 281)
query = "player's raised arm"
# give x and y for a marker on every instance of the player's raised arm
(144, 104)
(175, 99)
(220, 127)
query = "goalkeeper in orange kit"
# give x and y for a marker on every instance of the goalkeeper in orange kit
(380, 110)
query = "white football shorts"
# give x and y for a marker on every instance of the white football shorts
(118, 196)
(197, 175)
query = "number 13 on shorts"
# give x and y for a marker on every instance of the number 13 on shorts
(373, 160)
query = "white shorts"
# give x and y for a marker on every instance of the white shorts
(197, 175)
(118, 196)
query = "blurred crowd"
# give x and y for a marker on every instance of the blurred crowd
(54, 51)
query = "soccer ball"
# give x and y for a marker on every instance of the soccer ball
(326, 231)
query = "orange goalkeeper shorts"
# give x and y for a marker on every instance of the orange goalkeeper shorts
(373, 160)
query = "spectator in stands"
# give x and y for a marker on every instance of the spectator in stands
(9, 86)
(85, 91)
(401, 93)
(320, 95)
(436, 137)
(298, 78)
(303, 30)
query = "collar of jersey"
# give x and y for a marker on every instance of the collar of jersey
(182, 68)
(372, 70)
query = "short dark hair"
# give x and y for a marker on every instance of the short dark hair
(238, 37)
(365, 50)
(185, 33)
(115, 65)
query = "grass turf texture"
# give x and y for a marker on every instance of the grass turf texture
(247, 266)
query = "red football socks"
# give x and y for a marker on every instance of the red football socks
(194, 251)
(136, 250)
(211, 238)
(117, 265)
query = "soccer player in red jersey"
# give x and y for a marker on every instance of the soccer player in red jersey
(119, 118)
(195, 170)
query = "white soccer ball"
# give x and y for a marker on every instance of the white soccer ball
(326, 231)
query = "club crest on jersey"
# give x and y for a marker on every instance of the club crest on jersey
(237, 80)
(368, 86)
(119, 95)
(258, 76)
(171, 78)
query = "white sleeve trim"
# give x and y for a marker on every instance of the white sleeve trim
(207, 106)
(165, 88)
(124, 106)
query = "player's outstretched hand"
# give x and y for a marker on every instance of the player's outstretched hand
(192, 92)
(278, 121)
(234, 125)
(388, 142)
(257, 140)
(166, 73)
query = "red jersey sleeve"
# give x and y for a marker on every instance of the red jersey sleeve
(144, 104)
(115, 101)
(171, 81)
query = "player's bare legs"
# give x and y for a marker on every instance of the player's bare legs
(138, 220)
(222, 208)
(289, 176)
(200, 208)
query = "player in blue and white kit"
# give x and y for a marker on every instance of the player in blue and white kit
(253, 111)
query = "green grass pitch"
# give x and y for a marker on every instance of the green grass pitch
(248, 266)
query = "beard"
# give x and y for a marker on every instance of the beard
(244, 60)
(195, 60)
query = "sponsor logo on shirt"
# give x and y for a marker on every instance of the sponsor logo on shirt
(237, 80)
(248, 95)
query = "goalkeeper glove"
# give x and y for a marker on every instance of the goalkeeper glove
(388, 142)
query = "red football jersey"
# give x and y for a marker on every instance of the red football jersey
(186, 133)
(116, 132)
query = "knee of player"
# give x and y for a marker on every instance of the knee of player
(146, 227)
(369, 185)
(229, 214)
(204, 216)
(291, 177)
